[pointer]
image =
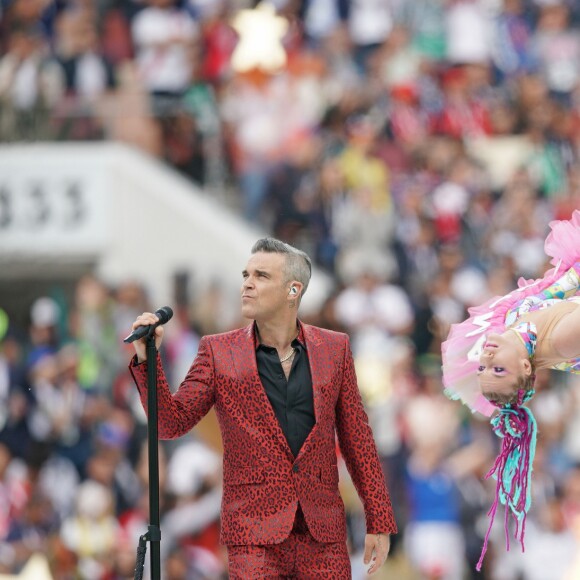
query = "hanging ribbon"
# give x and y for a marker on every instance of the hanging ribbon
(512, 470)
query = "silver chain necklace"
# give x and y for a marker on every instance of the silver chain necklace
(288, 356)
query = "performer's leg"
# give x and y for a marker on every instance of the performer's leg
(299, 557)
(315, 560)
(271, 562)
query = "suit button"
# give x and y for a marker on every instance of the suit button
(295, 469)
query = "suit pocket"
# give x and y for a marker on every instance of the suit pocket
(243, 475)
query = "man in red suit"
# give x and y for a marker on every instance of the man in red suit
(282, 390)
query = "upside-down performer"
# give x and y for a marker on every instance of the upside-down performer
(490, 361)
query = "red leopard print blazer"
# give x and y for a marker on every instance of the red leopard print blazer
(263, 482)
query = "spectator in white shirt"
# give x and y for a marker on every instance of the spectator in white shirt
(164, 37)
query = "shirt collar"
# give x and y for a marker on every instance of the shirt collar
(299, 337)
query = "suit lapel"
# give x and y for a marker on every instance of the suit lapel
(258, 406)
(320, 371)
(319, 368)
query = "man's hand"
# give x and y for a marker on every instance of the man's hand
(376, 550)
(140, 346)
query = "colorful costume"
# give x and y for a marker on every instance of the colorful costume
(465, 342)
(556, 294)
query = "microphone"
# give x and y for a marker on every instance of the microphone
(164, 314)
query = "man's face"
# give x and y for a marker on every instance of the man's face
(264, 290)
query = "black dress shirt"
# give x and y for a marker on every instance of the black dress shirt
(291, 399)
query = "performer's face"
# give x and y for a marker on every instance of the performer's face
(264, 290)
(501, 367)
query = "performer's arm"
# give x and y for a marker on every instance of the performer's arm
(180, 412)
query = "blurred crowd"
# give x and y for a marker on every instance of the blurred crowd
(417, 149)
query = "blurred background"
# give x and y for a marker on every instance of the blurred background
(416, 149)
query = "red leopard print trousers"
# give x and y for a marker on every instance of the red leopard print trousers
(300, 556)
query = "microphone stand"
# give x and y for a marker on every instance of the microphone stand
(153, 535)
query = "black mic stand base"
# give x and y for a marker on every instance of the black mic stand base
(153, 535)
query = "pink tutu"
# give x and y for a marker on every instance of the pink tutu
(461, 350)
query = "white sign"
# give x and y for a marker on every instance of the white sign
(57, 207)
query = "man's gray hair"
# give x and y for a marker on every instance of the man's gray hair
(298, 263)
